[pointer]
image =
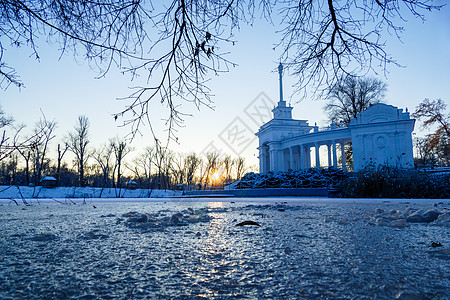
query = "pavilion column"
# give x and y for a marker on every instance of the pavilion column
(266, 159)
(272, 153)
(291, 158)
(334, 154)
(280, 166)
(344, 167)
(301, 157)
(278, 162)
(283, 163)
(262, 160)
(329, 154)
(308, 156)
(317, 155)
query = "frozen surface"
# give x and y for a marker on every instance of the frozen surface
(313, 248)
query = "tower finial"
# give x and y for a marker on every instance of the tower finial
(281, 111)
(280, 72)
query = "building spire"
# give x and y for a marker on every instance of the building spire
(280, 73)
(281, 111)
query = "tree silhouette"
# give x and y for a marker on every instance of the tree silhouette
(352, 95)
(120, 150)
(77, 142)
(43, 133)
(178, 44)
(432, 112)
(5, 143)
(102, 156)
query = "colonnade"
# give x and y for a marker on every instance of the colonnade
(273, 156)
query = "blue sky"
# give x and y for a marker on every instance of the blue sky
(64, 88)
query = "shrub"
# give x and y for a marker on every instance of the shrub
(389, 182)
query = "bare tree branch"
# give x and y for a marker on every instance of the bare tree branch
(177, 44)
(352, 95)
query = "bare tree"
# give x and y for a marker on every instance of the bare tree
(211, 165)
(7, 146)
(179, 43)
(425, 155)
(191, 165)
(9, 169)
(43, 133)
(143, 165)
(120, 149)
(4, 119)
(240, 167)
(61, 153)
(167, 164)
(162, 159)
(78, 141)
(103, 157)
(25, 152)
(352, 95)
(138, 174)
(432, 112)
(227, 163)
(10, 139)
(178, 168)
(34, 148)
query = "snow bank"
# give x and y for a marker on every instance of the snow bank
(19, 192)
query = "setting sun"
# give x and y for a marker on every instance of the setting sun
(215, 176)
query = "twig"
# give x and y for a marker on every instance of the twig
(23, 198)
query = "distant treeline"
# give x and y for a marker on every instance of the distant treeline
(154, 168)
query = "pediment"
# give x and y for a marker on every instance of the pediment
(380, 113)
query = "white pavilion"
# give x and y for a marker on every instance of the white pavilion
(381, 134)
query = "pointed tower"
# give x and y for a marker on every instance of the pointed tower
(272, 134)
(282, 111)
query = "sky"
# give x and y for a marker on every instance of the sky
(63, 88)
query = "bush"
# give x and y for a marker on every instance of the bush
(372, 182)
(389, 182)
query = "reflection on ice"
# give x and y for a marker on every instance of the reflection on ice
(302, 249)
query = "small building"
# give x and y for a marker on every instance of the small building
(132, 185)
(180, 187)
(48, 182)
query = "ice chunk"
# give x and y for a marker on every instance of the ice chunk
(138, 218)
(177, 218)
(381, 222)
(423, 217)
(430, 215)
(400, 223)
(43, 237)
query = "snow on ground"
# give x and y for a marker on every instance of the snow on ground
(19, 192)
